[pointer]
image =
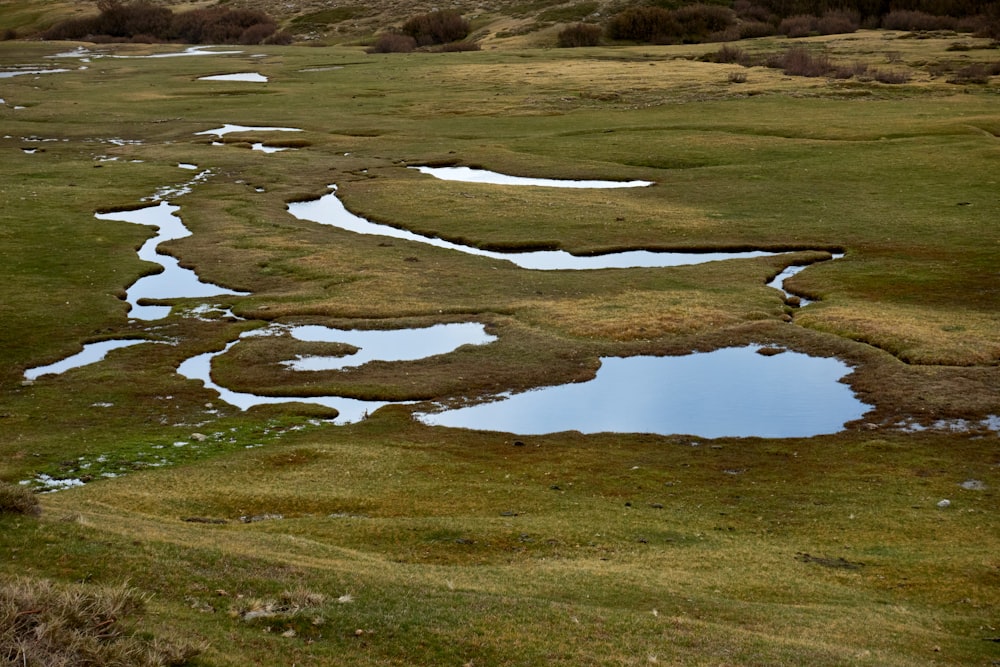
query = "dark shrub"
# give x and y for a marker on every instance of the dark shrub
(802, 25)
(749, 12)
(890, 76)
(731, 54)
(438, 27)
(257, 33)
(975, 73)
(838, 22)
(858, 69)
(280, 38)
(799, 61)
(391, 42)
(8, 34)
(751, 29)
(143, 21)
(579, 34)
(902, 19)
(644, 24)
(119, 19)
(699, 21)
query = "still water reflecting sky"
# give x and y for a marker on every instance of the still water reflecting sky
(728, 392)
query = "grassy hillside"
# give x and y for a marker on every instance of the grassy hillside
(273, 537)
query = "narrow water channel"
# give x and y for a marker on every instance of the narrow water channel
(329, 210)
(729, 392)
(174, 281)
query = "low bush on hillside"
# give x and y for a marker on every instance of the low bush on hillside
(142, 21)
(45, 624)
(830, 23)
(439, 27)
(687, 24)
(976, 73)
(579, 34)
(800, 61)
(672, 22)
(392, 42)
(16, 499)
(902, 19)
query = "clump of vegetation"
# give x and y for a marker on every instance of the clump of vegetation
(976, 73)
(439, 27)
(914, 20)
(800, 61)
(142, 21)
(663, 22)
(579, 34)
(830, 23)
(688, 24)
(45, 624)
(392, 42)
(16, 499)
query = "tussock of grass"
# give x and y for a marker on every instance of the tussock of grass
(45, 624)
(17, 499)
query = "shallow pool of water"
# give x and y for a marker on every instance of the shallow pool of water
(470, 175)
(91, 354)
(229, 128)
(385, 345)
(329, 210)
(247, 77)
(733, 392)
(190, 51)
(22, 72)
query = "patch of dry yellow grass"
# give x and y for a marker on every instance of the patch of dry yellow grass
(635, 315)
(915, 334)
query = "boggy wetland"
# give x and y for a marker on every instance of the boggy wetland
(400, 358)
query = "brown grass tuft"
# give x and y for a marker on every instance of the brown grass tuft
(16, 499)
(45, 624)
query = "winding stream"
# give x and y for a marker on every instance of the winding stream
(785, 395)
(329, 210)
(174, 281)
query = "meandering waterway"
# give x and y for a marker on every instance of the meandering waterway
(733, 392)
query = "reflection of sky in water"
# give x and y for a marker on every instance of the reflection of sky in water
(248, 77)
(729, 392)
(22, 72)
(174, 282)
(349, 410)
(190, 51)
(394, 345)
(386, 345)
(329, 210)
(92, 353)
(229, 128)
(469, 175)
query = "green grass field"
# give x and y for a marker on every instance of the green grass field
(388, 542)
